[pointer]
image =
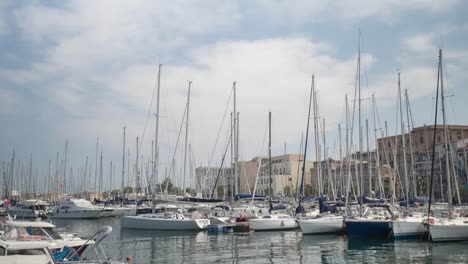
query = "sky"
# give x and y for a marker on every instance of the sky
(80, 71)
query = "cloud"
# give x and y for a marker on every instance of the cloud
(9, 102)
(300, 10)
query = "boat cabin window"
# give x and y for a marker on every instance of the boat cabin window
(2, 251)
(65, 207)
(33, 251)
(52, 233)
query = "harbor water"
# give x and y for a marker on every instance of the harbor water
(149, 246)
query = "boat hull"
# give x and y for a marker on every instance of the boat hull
(369, 229)
(156, 223)
(323, 225)
(409, 229)
(78, 214)
(448, 232)
(272, 224)
(123, 211)
(22, 213)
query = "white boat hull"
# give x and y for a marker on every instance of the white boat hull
(449, 231)
(322, 225)
(156, 223)
(409, 228)
(77, 214)
(272, 224)
(123, 211)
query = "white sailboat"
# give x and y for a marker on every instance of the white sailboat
(452, 228)
(409, 227)
(273, 221)
(326, 224)
(164, 221)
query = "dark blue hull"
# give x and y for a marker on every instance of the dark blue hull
(369, 229)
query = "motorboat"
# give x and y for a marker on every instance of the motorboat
(31, 249)
(45, 231)
(28, 209)
(79, 209)
(19, 252)
(165, 221)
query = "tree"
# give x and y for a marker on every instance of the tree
(308, 190)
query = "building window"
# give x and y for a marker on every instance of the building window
(421, 140)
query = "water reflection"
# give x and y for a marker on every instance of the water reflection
(151, 246)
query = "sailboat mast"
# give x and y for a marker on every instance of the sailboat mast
(403, 142)
(123, 164)
(301, 190)
(269, 159)
(236, 143)
(155, 160)
(377, 154)
(186, 136)
(434, 136)
(65, 168)
(413, 175)
(446, 146)
(360, 126)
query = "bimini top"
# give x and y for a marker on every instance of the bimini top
(77, 203)
(33, 202)
(18, 245)
(29, 224)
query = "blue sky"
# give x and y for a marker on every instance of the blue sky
(81, 70)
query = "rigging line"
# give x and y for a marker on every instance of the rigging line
(175, 150)
(219, 131)
(149, 112)
(259, 164)
(228, 140)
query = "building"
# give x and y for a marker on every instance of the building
(286, 175)
(419, 147)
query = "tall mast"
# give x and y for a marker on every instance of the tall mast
(377, 154)
(369, 169)
(236, 143)
(186, 136)
(405, 170)
(446, 146)
(269, 159)
(434, 136)
(137, 176)
(65, 168)
(360, 127)
(96, 166)
(123, 164)
(413, 174)
(155, 159)
(317, 140)
(299, 208)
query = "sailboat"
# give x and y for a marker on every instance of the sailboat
(323, 223)
(375, 221)
(165, 220)
(452, 228)
(410, 226)
(272, 221)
